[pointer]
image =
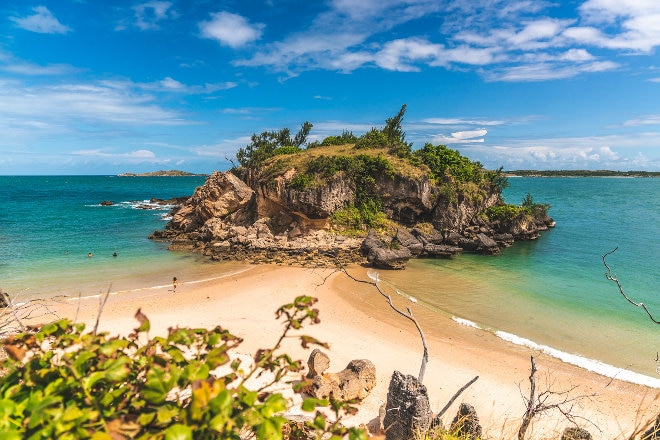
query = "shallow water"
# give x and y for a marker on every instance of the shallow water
(550, 292)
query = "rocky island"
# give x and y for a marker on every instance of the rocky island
(350, 199)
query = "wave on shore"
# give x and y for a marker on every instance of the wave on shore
(573, 359)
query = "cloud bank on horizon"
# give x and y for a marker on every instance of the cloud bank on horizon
(95, 88)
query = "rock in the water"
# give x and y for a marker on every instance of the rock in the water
(574, 433)
(380, 255)
(353, 382)
(466, 423)
(407, 411)
(107, 203)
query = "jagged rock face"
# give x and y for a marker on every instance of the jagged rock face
(408, 200)
(466, 423)
(315, 202)
(222, 195)
(269, 220)
(456, 215)
(407, 410)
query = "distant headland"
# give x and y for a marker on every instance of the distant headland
(170, 173)
(581, 173)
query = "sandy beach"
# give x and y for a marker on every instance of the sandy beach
(358, 324)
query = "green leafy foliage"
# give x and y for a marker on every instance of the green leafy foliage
(391, 136)
(64, 383)
(447, 163)
(503, 213)
(269, 143)
(346, 137)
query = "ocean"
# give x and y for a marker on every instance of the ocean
(549, 294)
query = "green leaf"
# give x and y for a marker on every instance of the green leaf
(111, 347)
(273, 404)
(311, 403)
(196, 371)
(271, 428)
(72, 412)
(178, 432)
(166, 414)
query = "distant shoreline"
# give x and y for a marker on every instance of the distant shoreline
(580, 173)
(161, 173)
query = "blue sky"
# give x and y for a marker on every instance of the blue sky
(95, 87)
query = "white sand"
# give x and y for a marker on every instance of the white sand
(357, 323)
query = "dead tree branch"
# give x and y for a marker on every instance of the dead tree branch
(548, 400)
(612, 277)
(14, 314)
(409, 316)
(455, 396)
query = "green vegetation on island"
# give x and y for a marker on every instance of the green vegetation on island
(380, 152)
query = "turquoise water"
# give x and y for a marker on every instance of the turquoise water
(49, 225)
(550, 294)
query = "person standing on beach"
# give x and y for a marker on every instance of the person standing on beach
(174, 280)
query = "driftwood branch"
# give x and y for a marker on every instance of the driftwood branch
(14, 313)
(102, 300)
(409, 315)
(564, 402)
(612, 277)
(455, 396)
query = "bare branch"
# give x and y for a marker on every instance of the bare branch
(455, 396)
(612, 277)
(548, 400)
(409, 316)
(102, 300)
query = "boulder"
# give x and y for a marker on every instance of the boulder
(408, 413)
(107, 203)
(466, 423)
(381, 255)
(353, 382)
(317, 363)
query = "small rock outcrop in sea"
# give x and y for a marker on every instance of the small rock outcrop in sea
(353, 382)
(264, 217)
(107, 203)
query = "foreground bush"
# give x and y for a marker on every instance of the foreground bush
(61, 382)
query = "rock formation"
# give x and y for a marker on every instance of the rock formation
(353, 382)
(407, 410)
(466, 423)
(262, 216)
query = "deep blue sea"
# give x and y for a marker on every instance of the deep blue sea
(549, 294)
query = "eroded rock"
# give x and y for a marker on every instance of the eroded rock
(353, 382)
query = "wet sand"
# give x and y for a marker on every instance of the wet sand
(358, 323)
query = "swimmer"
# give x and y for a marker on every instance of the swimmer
(114, 254)
(90, 255)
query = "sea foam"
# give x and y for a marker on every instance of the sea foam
(573, 359)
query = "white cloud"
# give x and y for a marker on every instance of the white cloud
(462, 121)
(643, 120)
(461, 137)
(137, 154)
(42, 21)
(148, 15)
(230, 29)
